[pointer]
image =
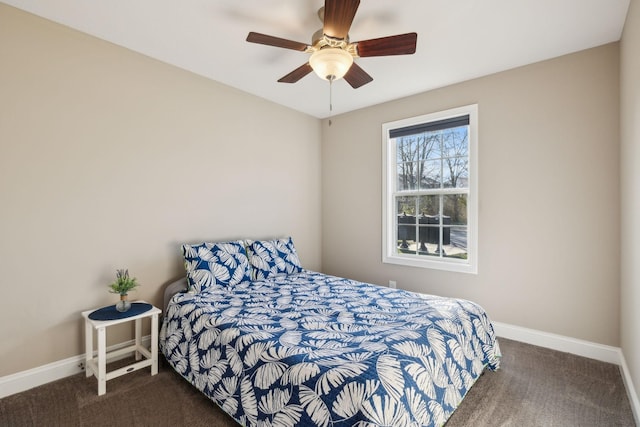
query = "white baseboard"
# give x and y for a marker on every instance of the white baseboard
(604, 353)
(631, 391)
(25, 380)
(576, 346)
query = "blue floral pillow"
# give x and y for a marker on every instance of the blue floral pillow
(272, 258)
(223, 263)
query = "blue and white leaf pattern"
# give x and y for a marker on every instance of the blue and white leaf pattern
(272, 258)
(317, 350)
(208, 264)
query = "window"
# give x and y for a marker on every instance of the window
(430, 211)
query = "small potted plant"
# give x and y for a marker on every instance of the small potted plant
(122, 286)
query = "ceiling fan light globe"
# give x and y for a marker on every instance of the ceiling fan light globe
(331, 63)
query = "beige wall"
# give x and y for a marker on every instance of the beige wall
(548, 196)
(630, 191)
(109, 159)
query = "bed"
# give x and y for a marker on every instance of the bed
(274, 344)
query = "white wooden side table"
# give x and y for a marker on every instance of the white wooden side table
(98, 365)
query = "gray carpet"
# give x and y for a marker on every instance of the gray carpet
(534, 387)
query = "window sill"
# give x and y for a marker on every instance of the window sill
(434, 264)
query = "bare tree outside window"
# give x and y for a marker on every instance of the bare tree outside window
(433, 160)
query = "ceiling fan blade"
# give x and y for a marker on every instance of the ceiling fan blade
(402, 44)
(338, 16)
(357, 77)
(276, 41)
(296, 74)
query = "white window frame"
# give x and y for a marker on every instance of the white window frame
(389, 227)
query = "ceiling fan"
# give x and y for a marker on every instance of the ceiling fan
(331, 50)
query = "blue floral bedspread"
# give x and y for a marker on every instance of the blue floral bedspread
(316, 350)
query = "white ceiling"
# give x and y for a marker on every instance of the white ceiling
(457, 40)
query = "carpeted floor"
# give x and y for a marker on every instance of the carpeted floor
(534, 387)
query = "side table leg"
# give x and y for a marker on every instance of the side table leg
(154, 344)
(102, 361)
(88, 347)
(138, 338)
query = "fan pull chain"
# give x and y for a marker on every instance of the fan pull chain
(330, 94)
